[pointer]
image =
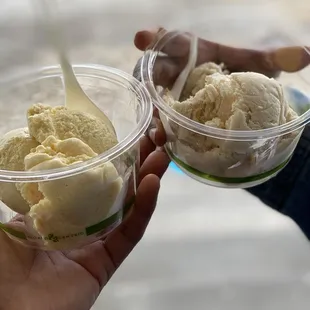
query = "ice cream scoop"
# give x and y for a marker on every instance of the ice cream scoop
(244, 101)
(14, 147)
(238, 101)
(68, 205)
(64, 123)
(57, 137)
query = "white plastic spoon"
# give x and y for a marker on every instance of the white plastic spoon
(191, 64)
(76, 99)
(179, 84)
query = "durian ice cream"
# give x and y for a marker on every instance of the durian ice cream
(56, 138)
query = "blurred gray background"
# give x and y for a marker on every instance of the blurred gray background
(206, 248)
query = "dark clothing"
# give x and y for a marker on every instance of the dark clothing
(289, 191)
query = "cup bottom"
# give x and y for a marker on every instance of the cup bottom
(224, 182)
(71, 241)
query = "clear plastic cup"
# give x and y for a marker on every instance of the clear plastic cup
(86, 216)
(236, 158)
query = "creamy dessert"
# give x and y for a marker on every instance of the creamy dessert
(244, 101)
(57, 138)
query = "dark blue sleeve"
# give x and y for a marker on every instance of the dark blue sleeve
(289, 191)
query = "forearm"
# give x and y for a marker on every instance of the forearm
(289, 192)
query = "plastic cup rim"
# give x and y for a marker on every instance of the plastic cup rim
(123, 146)
(147, 64)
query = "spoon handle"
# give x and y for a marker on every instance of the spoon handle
(191, 63)
(49, 8)
(76, 99)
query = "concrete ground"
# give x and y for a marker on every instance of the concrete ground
(206, 248)
(212, 249)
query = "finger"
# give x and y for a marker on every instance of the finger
(121, 242)
(177, 46)
(239, 60)
(159, 138)
(165, 70)
(157, 163)
(158, 134)
(146, 148)
(155, 112)
(143, 39)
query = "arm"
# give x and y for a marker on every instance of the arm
(289, 191)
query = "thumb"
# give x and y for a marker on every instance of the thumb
(102, 258)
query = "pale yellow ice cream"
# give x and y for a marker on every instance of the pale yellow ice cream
(14, 147)
(238, 101)
(61, 123)
(71, 204)
(57, 138)
(196, 79)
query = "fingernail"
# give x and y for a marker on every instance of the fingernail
(152, 134)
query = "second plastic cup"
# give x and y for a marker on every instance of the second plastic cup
(230, 158)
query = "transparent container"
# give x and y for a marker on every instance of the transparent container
(69, 207)
(211, 154)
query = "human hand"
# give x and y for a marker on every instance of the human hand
(32, 279)
(169, 66)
